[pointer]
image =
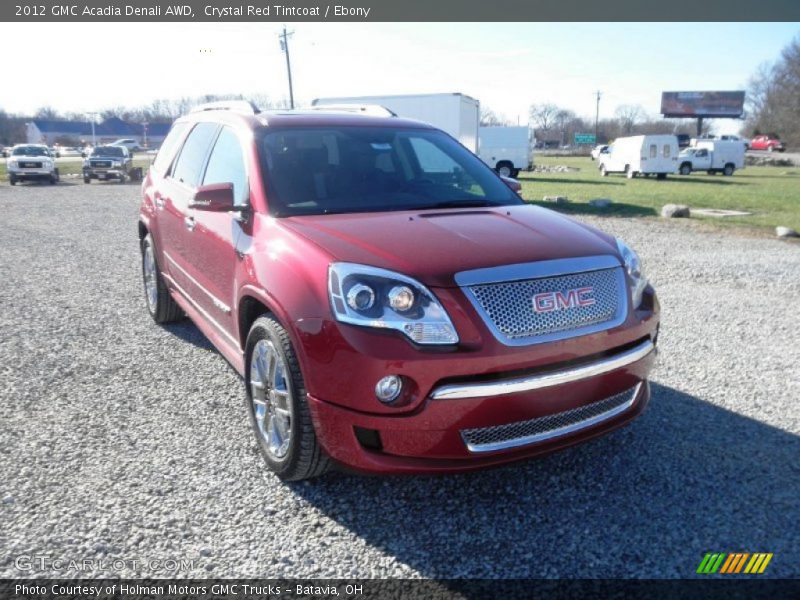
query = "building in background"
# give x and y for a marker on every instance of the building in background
(74, 133)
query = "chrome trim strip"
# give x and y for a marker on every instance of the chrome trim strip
(202, 311)
(217, 302)
(543, 380)
(537, 270)
(554, 433)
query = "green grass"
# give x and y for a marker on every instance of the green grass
(74, 167)
(772, 194)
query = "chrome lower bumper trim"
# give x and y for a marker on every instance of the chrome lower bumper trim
(543, 380)
(556, 432)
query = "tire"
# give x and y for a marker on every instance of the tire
(54, 178)
(661, 176)
(515, 174)
(686, 169)
(728, 170)
(122, 178)
(160, 304)
(504, 169)
(12, 180)
(276, 395)
(630, 174)
(87, 180)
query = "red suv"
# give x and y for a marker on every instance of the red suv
(392, 305)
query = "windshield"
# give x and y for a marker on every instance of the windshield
(312, 171)
(29, 151)
(115, 151)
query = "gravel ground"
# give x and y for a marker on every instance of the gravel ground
(123, 440)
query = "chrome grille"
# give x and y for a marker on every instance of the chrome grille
(101, 163)
(508, 307)
(522, 433)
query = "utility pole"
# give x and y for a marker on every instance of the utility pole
(597, 118)
(94, 138)
(285, 47)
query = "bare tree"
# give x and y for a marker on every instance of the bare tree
(46, 112)
(489, 118)
(629, 115)
(543, 116)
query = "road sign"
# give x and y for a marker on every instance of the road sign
(585, 138)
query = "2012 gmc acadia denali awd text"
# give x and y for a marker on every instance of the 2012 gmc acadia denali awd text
(392, 305)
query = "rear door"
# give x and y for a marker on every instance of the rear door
(211, 254)
(177, 190)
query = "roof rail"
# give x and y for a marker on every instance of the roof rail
(241, 106)
(374, 110)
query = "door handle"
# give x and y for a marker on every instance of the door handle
(189, 222)
(159, 202)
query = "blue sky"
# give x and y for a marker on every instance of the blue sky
(507, 66)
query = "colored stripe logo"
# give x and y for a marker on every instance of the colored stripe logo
(735, 562)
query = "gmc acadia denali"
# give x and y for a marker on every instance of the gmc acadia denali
(392, 305)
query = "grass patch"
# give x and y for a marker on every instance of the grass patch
(772, 194)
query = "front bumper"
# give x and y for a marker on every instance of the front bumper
(30, 173)
(103, 173)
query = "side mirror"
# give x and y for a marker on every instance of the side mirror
(215, 197)
(515, 185)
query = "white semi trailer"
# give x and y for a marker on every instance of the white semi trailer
(456, 114)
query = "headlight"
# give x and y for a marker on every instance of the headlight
(634, 268)
(117, 163)
(373, 297)
(12, 164)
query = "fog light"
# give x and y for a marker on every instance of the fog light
(388, 389)
(401, 298)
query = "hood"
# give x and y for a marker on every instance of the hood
(432, 246)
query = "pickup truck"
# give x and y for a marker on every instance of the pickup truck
(110, 162)
(712, 156)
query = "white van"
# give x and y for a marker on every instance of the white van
(505, 149)
(641, 155)
(712, 156)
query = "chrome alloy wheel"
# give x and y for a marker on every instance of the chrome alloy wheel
(150, 278)
(271, 398)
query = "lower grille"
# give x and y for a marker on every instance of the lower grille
(522, 433)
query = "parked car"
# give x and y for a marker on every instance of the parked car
(769, 143)
(69, 151)
(31, 162)
(712, 156)
(385, 312)
(641, 155)
(129, 143)
(109, 162)
(598, 150)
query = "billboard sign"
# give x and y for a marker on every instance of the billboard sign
(702, 104)
(584, 138)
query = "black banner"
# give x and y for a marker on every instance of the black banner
(393, 10)
(728, 588)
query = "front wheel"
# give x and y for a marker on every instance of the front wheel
(728, 170)
(160, 303)
(54, 177)
(277, 405)
(686, 169)
(12, 180)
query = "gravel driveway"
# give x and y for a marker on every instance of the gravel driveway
(123, 440)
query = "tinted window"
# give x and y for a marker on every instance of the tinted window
(226, 165)
(365, 169)
(653, 150)
(667, 150)
(168, 147)
(189, 166)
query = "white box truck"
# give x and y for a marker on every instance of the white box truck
(456, 114)
(506, 149)
(641, 155)
(712, 156)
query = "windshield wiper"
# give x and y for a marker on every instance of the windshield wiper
(460, 204)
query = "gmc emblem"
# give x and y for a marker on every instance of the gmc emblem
(550, 301)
